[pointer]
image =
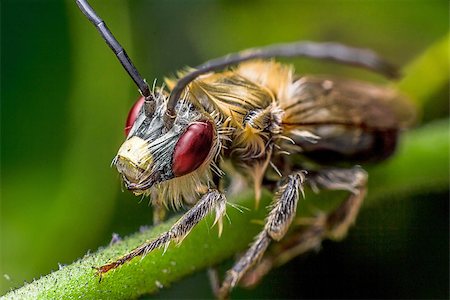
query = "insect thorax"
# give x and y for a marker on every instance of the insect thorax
(248, 100)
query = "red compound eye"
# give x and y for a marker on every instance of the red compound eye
(132, 115)
(192, 148)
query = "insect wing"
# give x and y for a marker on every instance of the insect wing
(319, 100)
(335, 119)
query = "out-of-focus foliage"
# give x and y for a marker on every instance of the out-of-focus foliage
(64, 99)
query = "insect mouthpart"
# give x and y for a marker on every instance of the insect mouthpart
(133, 161)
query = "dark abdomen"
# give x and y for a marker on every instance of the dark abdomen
(355, 144)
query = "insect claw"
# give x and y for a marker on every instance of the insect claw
(98, 273)
(105, 268)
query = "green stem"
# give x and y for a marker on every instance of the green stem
(420, 166)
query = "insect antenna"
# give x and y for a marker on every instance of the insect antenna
(335, 52)
(115, 46)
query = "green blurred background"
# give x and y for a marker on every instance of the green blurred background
(64, 100)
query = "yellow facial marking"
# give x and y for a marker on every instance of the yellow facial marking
(133, 159)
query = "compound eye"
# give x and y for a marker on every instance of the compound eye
(192, 148)
(132, 115)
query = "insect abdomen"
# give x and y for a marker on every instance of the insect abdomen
(351, 144)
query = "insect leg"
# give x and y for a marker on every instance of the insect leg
(280, 217)
(324, 226)
(353, 180)
(212, 200)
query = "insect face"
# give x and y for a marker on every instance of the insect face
(152, 153)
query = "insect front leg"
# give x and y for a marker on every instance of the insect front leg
(333, 225)
(277, 223)
(213, 200)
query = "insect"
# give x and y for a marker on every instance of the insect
(282, 130)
